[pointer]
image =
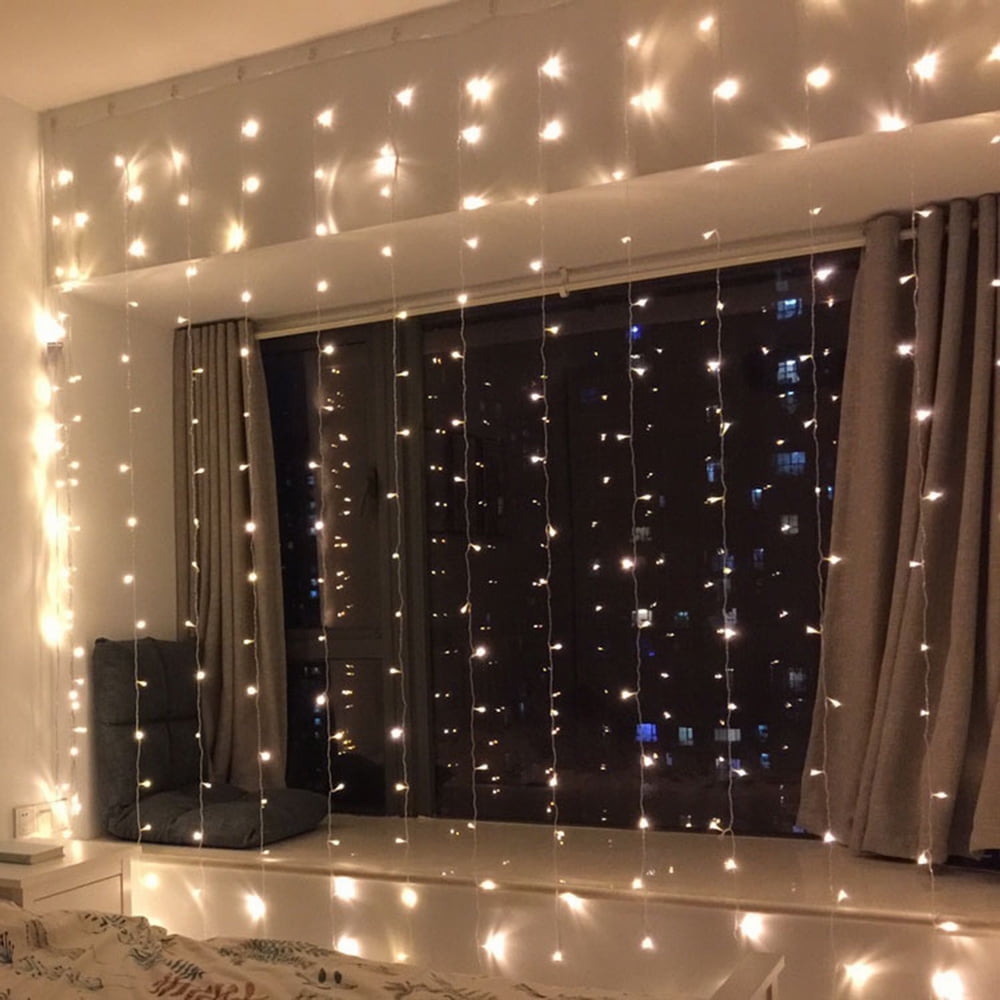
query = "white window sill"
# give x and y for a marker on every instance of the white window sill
(773, 875)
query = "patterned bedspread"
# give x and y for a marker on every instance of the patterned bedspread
(69, 954)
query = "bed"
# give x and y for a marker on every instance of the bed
(70, 954)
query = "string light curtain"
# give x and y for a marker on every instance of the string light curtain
(228, 558)
(905, 747)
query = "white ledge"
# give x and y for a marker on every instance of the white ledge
(773, 875)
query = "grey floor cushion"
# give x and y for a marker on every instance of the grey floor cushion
(165, 800)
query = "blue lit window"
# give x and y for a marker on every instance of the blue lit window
(790, 463)
(788, 372)
(758, 558)
(789, 524)
(765, 761)
(788, 308)
(756, 497)
(762, 732)
(645, 732)
(713, 470)
(685, 736)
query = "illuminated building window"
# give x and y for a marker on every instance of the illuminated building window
(756, 497)
(685, 736)
(790, 463)
(789, 524)
(788, 308)
(713, 469)
(788, 371)
(758, 558)
(727, 734)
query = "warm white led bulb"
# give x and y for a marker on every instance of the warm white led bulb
(472, 134)
(325, 118)
(552, 68)
(245, 297)
(251, 184)
(926, 66)
(479, 88)
(818, 78)
(405, 96)
(135, 193)
(472, 202)
(890, 123)
(250, 129)
(650, 99)
(792, 141)
(552, 130)
(137, 248)
(727, 89)
(322, 286)
(706, 24)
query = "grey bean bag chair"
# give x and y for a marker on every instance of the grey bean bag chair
(166, 802)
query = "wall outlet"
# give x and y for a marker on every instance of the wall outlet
(46, 820)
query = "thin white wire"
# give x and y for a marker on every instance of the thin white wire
(550, 665)
(634, 504)
(130, 428)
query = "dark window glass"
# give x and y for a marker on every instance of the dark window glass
(639, 577)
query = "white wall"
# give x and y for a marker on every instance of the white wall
(26, 665)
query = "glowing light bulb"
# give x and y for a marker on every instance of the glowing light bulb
(752, 926)
(251, 184)
(256, 906)
(858, 973)
(385, 164)
(650, 99)
(135, 193)
(647, 943)
(487, 885)
(496, 946)
(948, 985)
(792, 141)
(552, 68)
(472, 242)
(250, 129)
(184, 199)
(386, 251)
(727, 89)
(552, 131)
(473, 202)
(190, 271)
(245, 297)
(479, 88)
(405, 96)
(325, 118)
(634, 41)
(80, 219)
(265, 755)
(322, 286)
(64, 177)
(818, 78)
(926, 67)
(137, 248)
(890, 123)
(472, 134)
(557, 956)
(536, 266)
(409, 897)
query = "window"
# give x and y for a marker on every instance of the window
(790, 463)
(639, 583)
(788, 371)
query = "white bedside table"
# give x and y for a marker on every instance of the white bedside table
(91, 875)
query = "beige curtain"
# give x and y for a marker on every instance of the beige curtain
(916, 571)
(224, 481)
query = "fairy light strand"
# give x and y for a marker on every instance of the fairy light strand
(130, 246)
(548, 70)
(633, 569)
(323, 120)
(468, 608)
(398, 374)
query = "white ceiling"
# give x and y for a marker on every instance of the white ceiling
(56, 52)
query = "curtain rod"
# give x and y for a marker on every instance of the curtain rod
(564, 281)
